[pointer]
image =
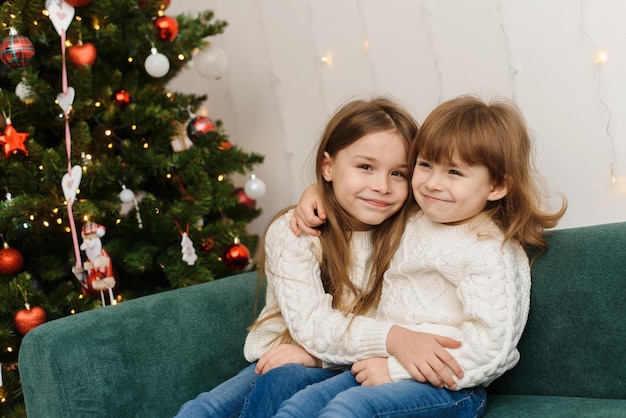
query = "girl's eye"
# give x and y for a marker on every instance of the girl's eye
(424, 164)
(365, 166)
(456, 173)
(399, 174)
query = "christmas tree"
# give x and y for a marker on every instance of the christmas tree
(114, 187)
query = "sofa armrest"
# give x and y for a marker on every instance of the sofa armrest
(142, 357)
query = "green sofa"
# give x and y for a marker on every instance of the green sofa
(145, 357)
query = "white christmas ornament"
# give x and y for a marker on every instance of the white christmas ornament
(61, 15)
(254, 188)
(211, 62)
(70, 183)
(24, 92)
(189, 253)
(157, 64)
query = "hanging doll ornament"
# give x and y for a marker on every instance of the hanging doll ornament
(96, 275)
(187, 250)
(16, 51)
(13, 141)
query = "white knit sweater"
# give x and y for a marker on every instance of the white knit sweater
(294, 285)
(460, 282)
(456, 281)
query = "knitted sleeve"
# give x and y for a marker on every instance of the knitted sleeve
(494, 295)
(292, 271)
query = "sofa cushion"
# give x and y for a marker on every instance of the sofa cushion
(573, 344)
(520, 406)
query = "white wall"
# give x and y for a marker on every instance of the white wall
(277, 93)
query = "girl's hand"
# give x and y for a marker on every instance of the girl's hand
(309, 213)
(285, 354)
(425, 356)
(372, 371)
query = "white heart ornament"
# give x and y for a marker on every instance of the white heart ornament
(70, 183)
(61, 15)
(65, 100)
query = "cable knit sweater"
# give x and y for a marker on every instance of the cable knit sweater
(460, 282)
(294, 285)
(456, 281)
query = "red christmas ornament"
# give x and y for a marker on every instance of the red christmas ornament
(13, 141)
(243, 198)
(207, 244)
(200, 125)
(16, 50)
(236, 256)
(11, 260)
(167, 28)
(224, 146)
(122, 98)
(78, 3)
(27, 319)
(82, 54)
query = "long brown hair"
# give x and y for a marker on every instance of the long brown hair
(493, 135)
(353, 121)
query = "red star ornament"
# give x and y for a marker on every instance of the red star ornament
(13, 141)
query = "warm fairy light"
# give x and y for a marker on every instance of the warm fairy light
(80, 296)
(40, 167)
(220, 177)
(77, 191)
(145, 145)
(59, 221)
(96, 24)
(72, 312)
(45, 12)
(118, 221)
(601, 57)
(327, 59)
(55, 210)
(169, 95)
(110, 145)
(168, 175)
(614, 178)
(130, 59)
(68, 43)
(97, 104)
(9, 349)
(161, 13)
(108, 132)
(46, 224)
(35, 23)
(85, 218)
(133, 127)
(181, 57)
(31, 217)
(78, 18)
(67, 229)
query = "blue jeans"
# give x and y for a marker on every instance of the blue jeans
(252, 395)
(342, 397)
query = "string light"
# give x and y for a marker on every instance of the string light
(601, 57)
(327, 59)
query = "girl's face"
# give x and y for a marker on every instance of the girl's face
(453, 193)
(369, 177)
